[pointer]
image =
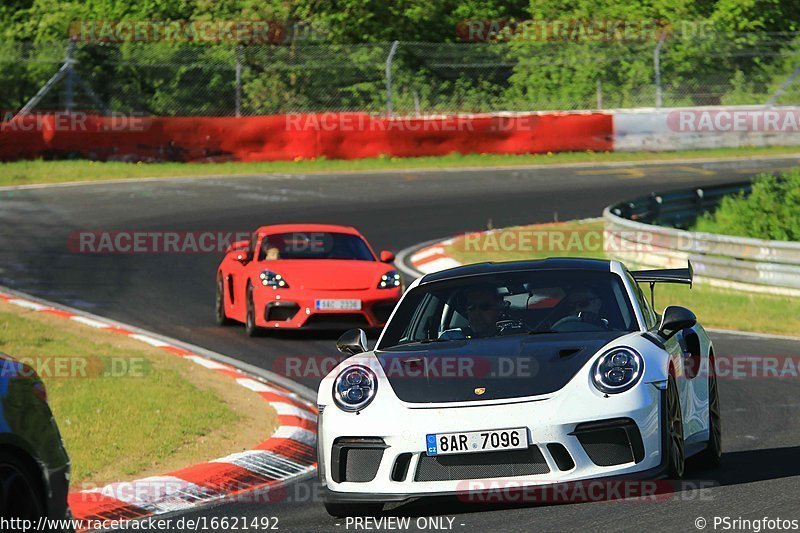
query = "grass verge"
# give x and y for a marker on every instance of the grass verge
(37, 171)
(715, 307)
(154, 413)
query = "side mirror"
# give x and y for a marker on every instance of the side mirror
(387, 256)
(352, 342)
(238, 251)
(674, 319)
(239, 255)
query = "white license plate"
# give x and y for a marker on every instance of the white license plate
(338, 305)
(476, 441)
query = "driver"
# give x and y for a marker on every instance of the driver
(484, 306)
(584, 304)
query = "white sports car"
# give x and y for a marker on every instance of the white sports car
(529, 373)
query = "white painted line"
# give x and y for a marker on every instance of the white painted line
(257, 386)
(90, 322)
(208, 363)
(443, 263)
(303, 435)
(288, 409)
(149, 340)
(28, 304)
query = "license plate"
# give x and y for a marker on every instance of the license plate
(338, 305)
(476, 441)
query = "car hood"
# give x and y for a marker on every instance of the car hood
(505, 367)
(328, 274)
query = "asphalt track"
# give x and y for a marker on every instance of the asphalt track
(172, 294)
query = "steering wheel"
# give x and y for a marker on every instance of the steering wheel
(576, 323)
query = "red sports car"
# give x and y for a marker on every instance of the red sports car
(306, 276)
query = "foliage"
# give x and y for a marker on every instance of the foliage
(771, 211)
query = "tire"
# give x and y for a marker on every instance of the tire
(711, 456)
(343, 510)
(673, 430)
(21, 495)
(219, 305)
(250, 326)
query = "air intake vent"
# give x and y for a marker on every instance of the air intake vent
(481, 465)
(611, 442)
(356, 459)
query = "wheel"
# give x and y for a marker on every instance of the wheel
(711, 456)
(219, 305)
(673, 428)
(20, 493)
(250, 320)
(343, 510)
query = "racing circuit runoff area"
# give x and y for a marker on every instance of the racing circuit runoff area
(172, 294)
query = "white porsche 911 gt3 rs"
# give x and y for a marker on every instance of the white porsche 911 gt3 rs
(532, 372)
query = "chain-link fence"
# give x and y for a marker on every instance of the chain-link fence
(402, 78)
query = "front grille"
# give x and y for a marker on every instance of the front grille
(611, 442)
(337, 320)
(356, 459)
(481, 465)
(382, 310)
(281, 311)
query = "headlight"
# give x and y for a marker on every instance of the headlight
(271, 279)
(390, 280)
(617, 370)
(354, 388)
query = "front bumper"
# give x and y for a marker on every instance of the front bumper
(296, 308)
(554, 426)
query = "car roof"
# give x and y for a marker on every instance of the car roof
(290, 228)
(556, 263)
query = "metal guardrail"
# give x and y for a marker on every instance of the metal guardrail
(640, 236)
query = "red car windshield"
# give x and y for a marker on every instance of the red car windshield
(314, 245)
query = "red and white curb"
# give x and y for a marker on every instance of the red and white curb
(433, 258)
(290, 453)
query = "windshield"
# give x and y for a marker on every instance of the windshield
(314, 245)
(516, 303)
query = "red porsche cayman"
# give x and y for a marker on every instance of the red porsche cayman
(306, 276)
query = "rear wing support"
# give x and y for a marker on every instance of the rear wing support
(684, 276)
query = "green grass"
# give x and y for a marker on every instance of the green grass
(37, 171)
(163, 413)
(715, 307)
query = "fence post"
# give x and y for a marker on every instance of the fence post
(389, 58)
(69, 81)
(599, 94)
(239, 80)
(657, 67)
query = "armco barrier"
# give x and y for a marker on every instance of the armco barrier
(290, 137)
(750, 264)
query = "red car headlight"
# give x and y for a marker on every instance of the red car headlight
(271, 279)
(390, 280)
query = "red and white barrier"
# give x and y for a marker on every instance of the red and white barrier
(360, 135)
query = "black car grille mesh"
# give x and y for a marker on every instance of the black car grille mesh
(612, 442)
(481, 465)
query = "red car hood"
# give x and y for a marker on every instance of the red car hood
(328, 274)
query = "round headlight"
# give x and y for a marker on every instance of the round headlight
(354, 388)
(617, 370)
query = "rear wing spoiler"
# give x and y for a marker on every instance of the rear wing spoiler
(666, 275)
(684, 276)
